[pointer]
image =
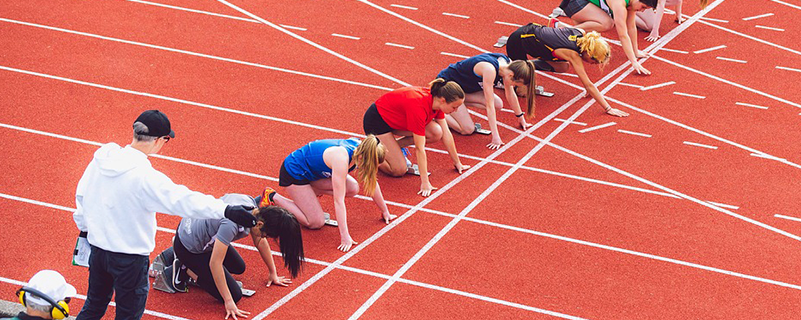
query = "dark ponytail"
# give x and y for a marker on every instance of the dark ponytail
(524, 71)
(281, 225)
(449, 90)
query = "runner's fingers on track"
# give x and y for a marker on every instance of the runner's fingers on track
(461, 168)
(345, 246)
(618, 112)
(652, 38)
(494, 146)
(389, 217)
(425, 192)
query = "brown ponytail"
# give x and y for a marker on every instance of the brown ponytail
(524, 71)
(369, 154)
(449, 90)
(704, 3)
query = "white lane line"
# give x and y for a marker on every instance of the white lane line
(788, 69)
(787, 217)
(112, 303)
(727, 206)
(688, 95)
(730, 59)
(345, 36)
(194, 10)
(752, 38)
(630, 85)
(142, 44)
(767, 156)
(658, 85)
(700, 145)
(403, 7)
(709, 49)
(453, 55)
(399, 45)
(758, 16)
(608, 124)
(714, 20)
(675, 51)
(314, 44)
(769, 28)
(634, 133)
(571, 122)
(567, 74)
(787, 4)
(509, 24)
(292, 27)
(455, 15)
(751, 105)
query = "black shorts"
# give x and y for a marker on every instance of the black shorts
(571, 7)
(285, 179)
(514, 46)
(373, 123)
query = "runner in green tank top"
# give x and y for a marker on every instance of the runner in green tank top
(603, 15)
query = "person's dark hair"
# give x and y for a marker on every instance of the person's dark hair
(524, 71)
(650, 3)
(281, 225)
(449, 90)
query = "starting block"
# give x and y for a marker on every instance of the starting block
(540, 91)
(501, 42)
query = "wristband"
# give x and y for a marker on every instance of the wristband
(520, 115)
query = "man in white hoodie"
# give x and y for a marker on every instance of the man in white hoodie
(117, 200)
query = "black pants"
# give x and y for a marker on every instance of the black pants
(110, 272)
(199, 264)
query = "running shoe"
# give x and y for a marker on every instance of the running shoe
(553, 23)
(180, 276)
(557, 12)
(266, 198)
(406, 156)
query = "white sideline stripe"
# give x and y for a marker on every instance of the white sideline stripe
(193, 10)
(292, 27)
(112, 303)
(709, 49)
(701, 132)
(453, 55)
(608, 124)
(634, 133)
(567, 74)
(714, 20)
(455, 15)
(787, 217)
(673, 50)
(402, 7)
(195, 54)
(751, 37)
(630, 85)
(751, 105)
(769, 28)
(787, 4)
(729, 82)
(699, 145)
(399, 45)
(314, 44)
(767, 156)
(758, 16)
(730, 59)
(509, 24)
(345, 36)
(658, 85)
(571, 122)
(788, 69)
(688, 95)
(727, 206)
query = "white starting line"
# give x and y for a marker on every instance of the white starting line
(688, 95)
(787, 217)
(455, 15)
(709, 49)
(750, 105)
(453, 55)
(571, 122)
(658, 85)
(608, 124)
(508, 24)
(345, 36)
(630, 85)
(769, 28)
(673, 50)
(759, 16)
(398, 45)
(403, 7)
(713, 20)
(788, 69)
(292, 27)
(732, 60)
(700, 145)
(634, 133)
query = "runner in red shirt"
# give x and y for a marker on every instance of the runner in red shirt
(417, 115)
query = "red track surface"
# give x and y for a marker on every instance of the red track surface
(600, 224)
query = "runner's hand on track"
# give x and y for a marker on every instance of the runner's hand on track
(640, 69)
(345, 244)
(652, 37)
(426, 189)
(461, 168)
(617, 112)
(523, 124)
(232, 311)
(495, 144)
(641, 54)
(281, 281)
(388, 217)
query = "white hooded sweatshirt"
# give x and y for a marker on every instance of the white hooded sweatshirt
(118, 197)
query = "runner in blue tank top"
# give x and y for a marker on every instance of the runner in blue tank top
(321, 167)
(478, 77)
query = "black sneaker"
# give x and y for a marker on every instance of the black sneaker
(179, 276)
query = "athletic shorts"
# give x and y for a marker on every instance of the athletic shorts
(571, 7)
(285, 179)
(514, 47)
(373, 123)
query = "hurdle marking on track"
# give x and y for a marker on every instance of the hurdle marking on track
(634, 133)
(731, 60)
(453, 55)
(674, 50)
(571, 122)
(601, 126)
(508, 24)
(688, 95)
(710, 49)
(751, 105)
(455, 15)
(402, 7)
(714, 20)
(345, 36)
(758, 16)
(788, 69)
(399, 45)
(787, 217)
(727, 206)
(769, 28)
(658, 85)
(700, 145)
(291, 27)
(630, 85)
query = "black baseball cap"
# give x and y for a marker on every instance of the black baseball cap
(157, 123)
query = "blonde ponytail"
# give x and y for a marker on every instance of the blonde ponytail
(369, 154)
(596, 47)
